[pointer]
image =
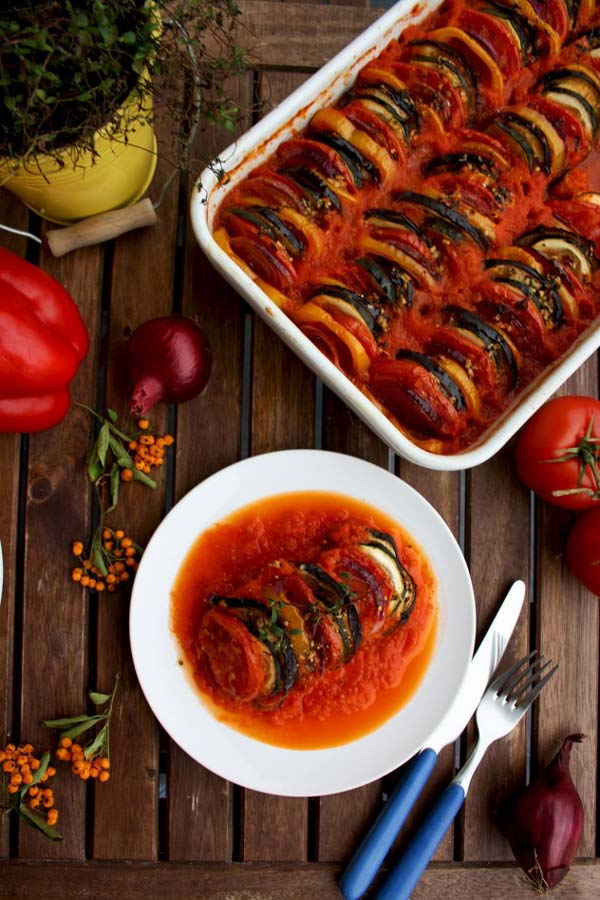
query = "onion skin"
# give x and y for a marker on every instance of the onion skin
(169, 360)
(545, 822)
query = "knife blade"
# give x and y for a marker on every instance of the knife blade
(365, 863)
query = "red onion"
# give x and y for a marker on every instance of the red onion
(169, 360)
(545, 822)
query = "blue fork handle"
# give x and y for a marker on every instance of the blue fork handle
(413, 862)
(365, 863)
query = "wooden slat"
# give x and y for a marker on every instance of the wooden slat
(343, 818)
(283, 416)
(55, 611)
(208, 438)
(13, 213)
(498, 553)
(442, 490)
(305, 46)
(105, 881)
(141, 288)
(567, 619)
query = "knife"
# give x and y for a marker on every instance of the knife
(365, 863)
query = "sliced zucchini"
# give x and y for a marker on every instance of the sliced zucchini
(385, 217)
(383, 109)
(446, 382)
(535, 135)
(403, 262)
(404, 589)
(451, 215)
(581, 107)
(562, 245)
(349, 303)
(519, 24)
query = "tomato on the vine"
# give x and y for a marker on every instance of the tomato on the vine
(558, 452)
(583, 550)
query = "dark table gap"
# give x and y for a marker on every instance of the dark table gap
(245, 448)
(531, 589)
(318, 414)
(460, 745)
(237, 837)
(312, 844)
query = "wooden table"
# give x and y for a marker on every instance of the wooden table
(164, 827)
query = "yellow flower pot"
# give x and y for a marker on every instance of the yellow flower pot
(116, 175)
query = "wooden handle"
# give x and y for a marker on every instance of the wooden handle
(102, 227)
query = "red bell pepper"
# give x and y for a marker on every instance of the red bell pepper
(42, 341)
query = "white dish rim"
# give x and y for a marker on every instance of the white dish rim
(259, 142)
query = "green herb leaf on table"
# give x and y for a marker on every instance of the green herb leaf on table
(36, 821)
(99, 744)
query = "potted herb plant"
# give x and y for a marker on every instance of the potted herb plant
(81, 82)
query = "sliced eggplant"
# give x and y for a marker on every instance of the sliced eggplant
(385, 217)
(456, 162)
(446, 382)
(451, 215)
(268, 222)
(493, 339)
(519, 140)
(352, 304)
(398, 102)
(320, 194)
(390, 282)
(451, 64)
(358, 165)
(520, 25)
(382, 550)
(571, 96)
(333, 600)
(562, 245)
(263, 623)
(533, 134)
(445, 229)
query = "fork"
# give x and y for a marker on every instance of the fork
(501, 708)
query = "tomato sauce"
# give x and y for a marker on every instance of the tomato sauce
(322, 709)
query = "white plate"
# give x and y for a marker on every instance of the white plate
(177, 704)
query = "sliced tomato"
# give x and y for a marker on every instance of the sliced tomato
(554, 13)
(484, 65)
(414, 396)
(582, 217)
(274, 189)
(236, 662)
(567, 124)
(472, 189)
(496, 37)
(302, 152)
(430, 87)
(266, 258)
(368, 584)
(518, 316)
(349, 349)
(378, 129)
(469, 353)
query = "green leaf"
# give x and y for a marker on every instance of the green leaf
(112, 415)
(36, 821)
(99, 699)
(121, 455)
(65, 723)
(41, 770)
(114, 487)
(97, 743)
(103, 439)
(95, 470)
(141, 476)
(76, 730)
(97, 554)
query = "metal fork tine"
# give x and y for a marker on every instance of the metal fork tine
(519, 687)
(526, 702)
(504, 678)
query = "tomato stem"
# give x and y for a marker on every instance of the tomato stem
(588, 452)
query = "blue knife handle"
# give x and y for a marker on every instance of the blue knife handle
(365, 863)
(413, 862)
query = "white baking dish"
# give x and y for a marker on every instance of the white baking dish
(255, 146)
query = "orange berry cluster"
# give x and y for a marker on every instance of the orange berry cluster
(19, 763)
(97, 767)
(148, 450)
(120, 553)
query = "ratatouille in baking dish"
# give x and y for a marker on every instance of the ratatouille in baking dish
(436, 233)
